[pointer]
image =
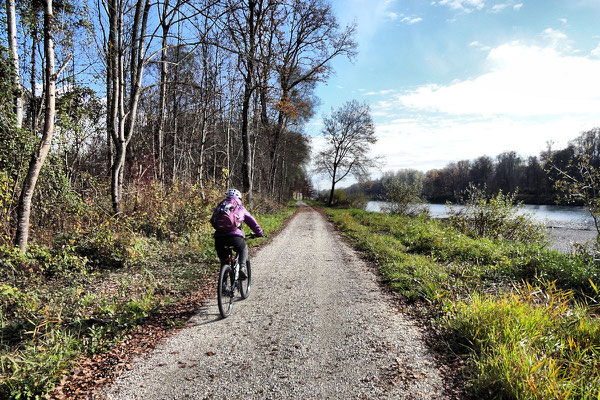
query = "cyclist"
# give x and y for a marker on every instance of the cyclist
(234, 236)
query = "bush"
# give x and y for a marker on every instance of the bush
(169, 212)
(106, 246)
(404, 197)
(265, 205)
(496, 217)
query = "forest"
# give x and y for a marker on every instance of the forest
(112, 97)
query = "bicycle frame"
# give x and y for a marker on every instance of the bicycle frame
(234, 262)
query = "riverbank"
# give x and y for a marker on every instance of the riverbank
(566, 225)
(564, 238)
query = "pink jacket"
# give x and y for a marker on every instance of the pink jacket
(243, 216)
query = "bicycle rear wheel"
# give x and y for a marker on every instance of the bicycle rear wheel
(245, 284)
(225, 290)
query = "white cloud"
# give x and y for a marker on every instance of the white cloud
(411, 20)
(554, 34)
(558, 39)
(369, 19)
(463, 5)
(563, 20)
(380, 93)
(522, 81)
(499, 7)
(517, 7)
(528, 96)
(596, 52)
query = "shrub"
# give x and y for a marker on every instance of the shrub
(404, 197)
(265, 205)
(106, 245)
(496, 217)
(168, 212)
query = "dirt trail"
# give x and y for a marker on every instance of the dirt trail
(316, 325)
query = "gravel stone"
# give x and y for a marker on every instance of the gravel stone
(316, 326)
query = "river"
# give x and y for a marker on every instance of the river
(551, 216)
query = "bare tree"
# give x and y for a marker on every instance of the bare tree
(245, 23)
(38, 158)
(349, 134)
(311, 39)
(122, 101)
(166, 17)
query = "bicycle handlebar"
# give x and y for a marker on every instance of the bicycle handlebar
(254, 236)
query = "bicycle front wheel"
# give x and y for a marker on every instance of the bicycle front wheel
(245, 284)
(225, 290)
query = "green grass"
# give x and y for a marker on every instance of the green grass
(530, 344)
(524, 316)
(56, 305)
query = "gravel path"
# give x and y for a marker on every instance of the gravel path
(316, 325)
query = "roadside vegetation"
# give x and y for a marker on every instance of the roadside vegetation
(524, 317)
(78, 292)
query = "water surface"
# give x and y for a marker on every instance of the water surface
(553, 216)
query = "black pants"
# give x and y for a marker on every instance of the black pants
(239, 246)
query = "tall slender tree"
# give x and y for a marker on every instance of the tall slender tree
(38, 158)
(123, 95)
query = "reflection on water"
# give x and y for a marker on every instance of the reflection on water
(552, 216)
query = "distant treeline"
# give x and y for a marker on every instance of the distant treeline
(532, 176)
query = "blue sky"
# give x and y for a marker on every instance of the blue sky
(455, 79)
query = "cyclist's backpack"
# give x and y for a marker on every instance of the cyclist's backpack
(225, 218)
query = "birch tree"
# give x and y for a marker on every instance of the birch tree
(38, 158)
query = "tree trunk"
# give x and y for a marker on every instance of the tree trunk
(330, 202)
(276, 139)
(228, 179)
(117, 176)
(32, 78)
(246, 166)
(201, 155)
(160, 132)
(121, 122)
(11, 20)
(248, 89)
(37, 160)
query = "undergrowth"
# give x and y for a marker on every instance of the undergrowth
(525, 317)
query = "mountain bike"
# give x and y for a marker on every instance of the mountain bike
(230, 283)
